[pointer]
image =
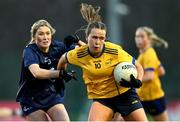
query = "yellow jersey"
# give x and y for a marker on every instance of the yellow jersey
(150, 90)
(98, 72)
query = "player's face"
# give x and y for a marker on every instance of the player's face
(43, 38)
(96, 40)
(141, 39)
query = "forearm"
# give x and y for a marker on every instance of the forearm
(139, 70)
(146, 79)
(47, 74)
(148, 76)
(62, 64)
(81, 43)
(40, 73)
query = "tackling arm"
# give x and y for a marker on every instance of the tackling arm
(62, 64)
(40, 73)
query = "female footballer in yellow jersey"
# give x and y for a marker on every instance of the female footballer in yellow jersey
(151, 92)
(97, 60)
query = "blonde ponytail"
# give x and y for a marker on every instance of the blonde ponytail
(155, 40)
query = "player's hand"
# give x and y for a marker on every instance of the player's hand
(136, 83)
(70, 39)
(133, 83)
(67, 76)
(59, 85)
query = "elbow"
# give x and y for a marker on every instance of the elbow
(35, 71)
(36, 75)
(161, 71)
(164, 72)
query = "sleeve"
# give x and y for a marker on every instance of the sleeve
(63, 47)
(71, 57)
(123, 56)
(30, 57)
(70, 48)
(151, 61)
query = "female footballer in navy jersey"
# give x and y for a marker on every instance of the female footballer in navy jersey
(39, 95)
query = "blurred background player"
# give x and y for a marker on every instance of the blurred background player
(41, 88)
(97, 60)
(151, 92)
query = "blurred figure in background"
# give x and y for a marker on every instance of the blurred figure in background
(151, 92)
(10, 111)
(97, 60)
(41, 87)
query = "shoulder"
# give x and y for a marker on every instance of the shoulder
(113, 48)
(150, 55)
(79, 52)
(81, 49)
(57, 43)
(151, 52)
(58, 46)
(112, 45)
(30, 48)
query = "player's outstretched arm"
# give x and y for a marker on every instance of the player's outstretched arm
(41, 73)
(73, 39)
(62, 64)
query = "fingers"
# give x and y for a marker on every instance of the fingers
(69, 40)
(122, 79)
(125, 83)
(132, 77)
(74, 78)
(72, 73)
(139, 83)
(77, 38)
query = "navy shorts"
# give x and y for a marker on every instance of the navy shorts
(29, 107)
(124, 103)
(154, 107)
(40, 99)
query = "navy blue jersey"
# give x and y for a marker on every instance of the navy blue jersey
(31, 88)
